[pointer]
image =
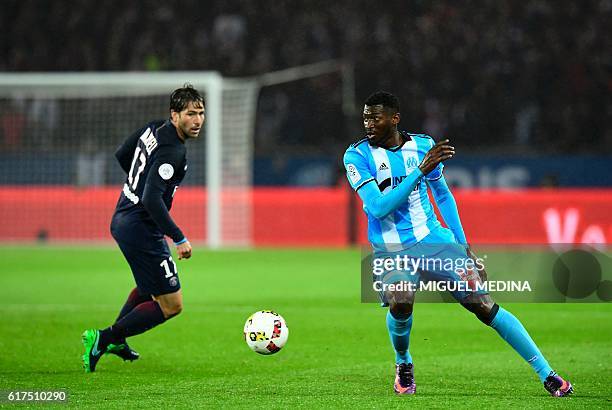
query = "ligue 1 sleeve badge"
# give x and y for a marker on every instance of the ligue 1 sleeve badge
(166, 171)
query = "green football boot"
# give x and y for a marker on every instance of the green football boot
(91, 338)
(123, 351)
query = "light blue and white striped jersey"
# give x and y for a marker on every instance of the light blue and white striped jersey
(411, 222)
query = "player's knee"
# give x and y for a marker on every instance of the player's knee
(402, 299)
(176, 309)
(171, 309)
(485, 310)
(399, 310)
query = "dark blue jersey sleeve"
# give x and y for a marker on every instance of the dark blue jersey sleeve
(125, 152)
(159, 178)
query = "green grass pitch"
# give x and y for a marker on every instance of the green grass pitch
(338, 353)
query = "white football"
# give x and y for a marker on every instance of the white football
(266, 332)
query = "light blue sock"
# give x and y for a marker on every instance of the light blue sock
(513, 332)
(399, 332)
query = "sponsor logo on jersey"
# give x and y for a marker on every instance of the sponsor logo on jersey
(395, 181)
(166, 171)
(383, 166)
(398, 180)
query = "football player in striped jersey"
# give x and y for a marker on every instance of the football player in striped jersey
(392, 170)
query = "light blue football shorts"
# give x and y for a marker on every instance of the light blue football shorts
(436, 258)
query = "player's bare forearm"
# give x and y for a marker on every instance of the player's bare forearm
(438, 153)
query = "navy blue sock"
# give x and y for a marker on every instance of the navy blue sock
(143, 317)
(399, 332)
(134, 299)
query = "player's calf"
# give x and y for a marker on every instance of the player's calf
(514, 333)
(171, 310)
(171, 304)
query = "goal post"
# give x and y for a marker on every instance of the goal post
(115, 104)
(60, 129)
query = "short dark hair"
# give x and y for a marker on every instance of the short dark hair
(387, 100)
(181, 97)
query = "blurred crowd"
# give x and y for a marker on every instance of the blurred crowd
(530, 75)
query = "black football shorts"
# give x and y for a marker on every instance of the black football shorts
(153, 268)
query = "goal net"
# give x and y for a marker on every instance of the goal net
(58, 133)
(59, 180)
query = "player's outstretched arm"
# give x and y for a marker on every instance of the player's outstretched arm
(448, 207)
(380, 205)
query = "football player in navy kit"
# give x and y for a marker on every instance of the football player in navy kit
(155, 163)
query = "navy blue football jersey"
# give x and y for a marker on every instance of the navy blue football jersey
(154, 159)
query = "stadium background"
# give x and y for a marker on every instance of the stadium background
(525, 100)
(523, 89)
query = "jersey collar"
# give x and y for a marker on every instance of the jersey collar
(405, 137)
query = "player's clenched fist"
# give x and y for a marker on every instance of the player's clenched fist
(438, 153)
(184, 250)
